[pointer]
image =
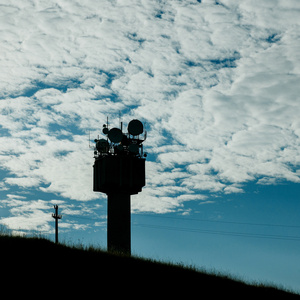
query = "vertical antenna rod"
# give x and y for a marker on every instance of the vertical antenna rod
(57, 217)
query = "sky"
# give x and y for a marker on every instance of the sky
(216, 84)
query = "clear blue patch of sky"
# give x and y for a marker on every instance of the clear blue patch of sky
(69, 127)
(4, 131)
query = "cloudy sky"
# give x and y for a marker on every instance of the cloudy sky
(216, 84)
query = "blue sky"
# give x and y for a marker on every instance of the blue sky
(217, 85)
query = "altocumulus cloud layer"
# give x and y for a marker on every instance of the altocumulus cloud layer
(217, 83)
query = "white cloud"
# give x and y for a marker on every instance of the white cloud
(26, 215)
(216, 84)
(23, 182)
(233, 189)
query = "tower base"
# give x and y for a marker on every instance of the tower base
(118, 222)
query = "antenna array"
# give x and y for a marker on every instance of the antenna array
(119, 143)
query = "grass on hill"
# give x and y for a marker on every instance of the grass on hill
(38, 266)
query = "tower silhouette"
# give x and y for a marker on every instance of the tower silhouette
(119, 171)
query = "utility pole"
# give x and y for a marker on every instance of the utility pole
(57, 217)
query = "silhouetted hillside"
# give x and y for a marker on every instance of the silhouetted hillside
(32, 266)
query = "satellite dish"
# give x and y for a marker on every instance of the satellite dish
(102, 145)
(105, 130)
(135, 127)
(115, 135)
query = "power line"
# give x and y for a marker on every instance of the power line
(224, 222)
(207, 231)
(219, 232)
(215, 232)
(197, 220)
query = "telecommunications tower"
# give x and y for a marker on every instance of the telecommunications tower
(119, 171)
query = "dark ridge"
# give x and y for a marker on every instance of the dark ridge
(37, 266)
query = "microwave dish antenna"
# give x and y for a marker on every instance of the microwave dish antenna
(135, 127)
(102, 145)
(105, 130)
(115, 135)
